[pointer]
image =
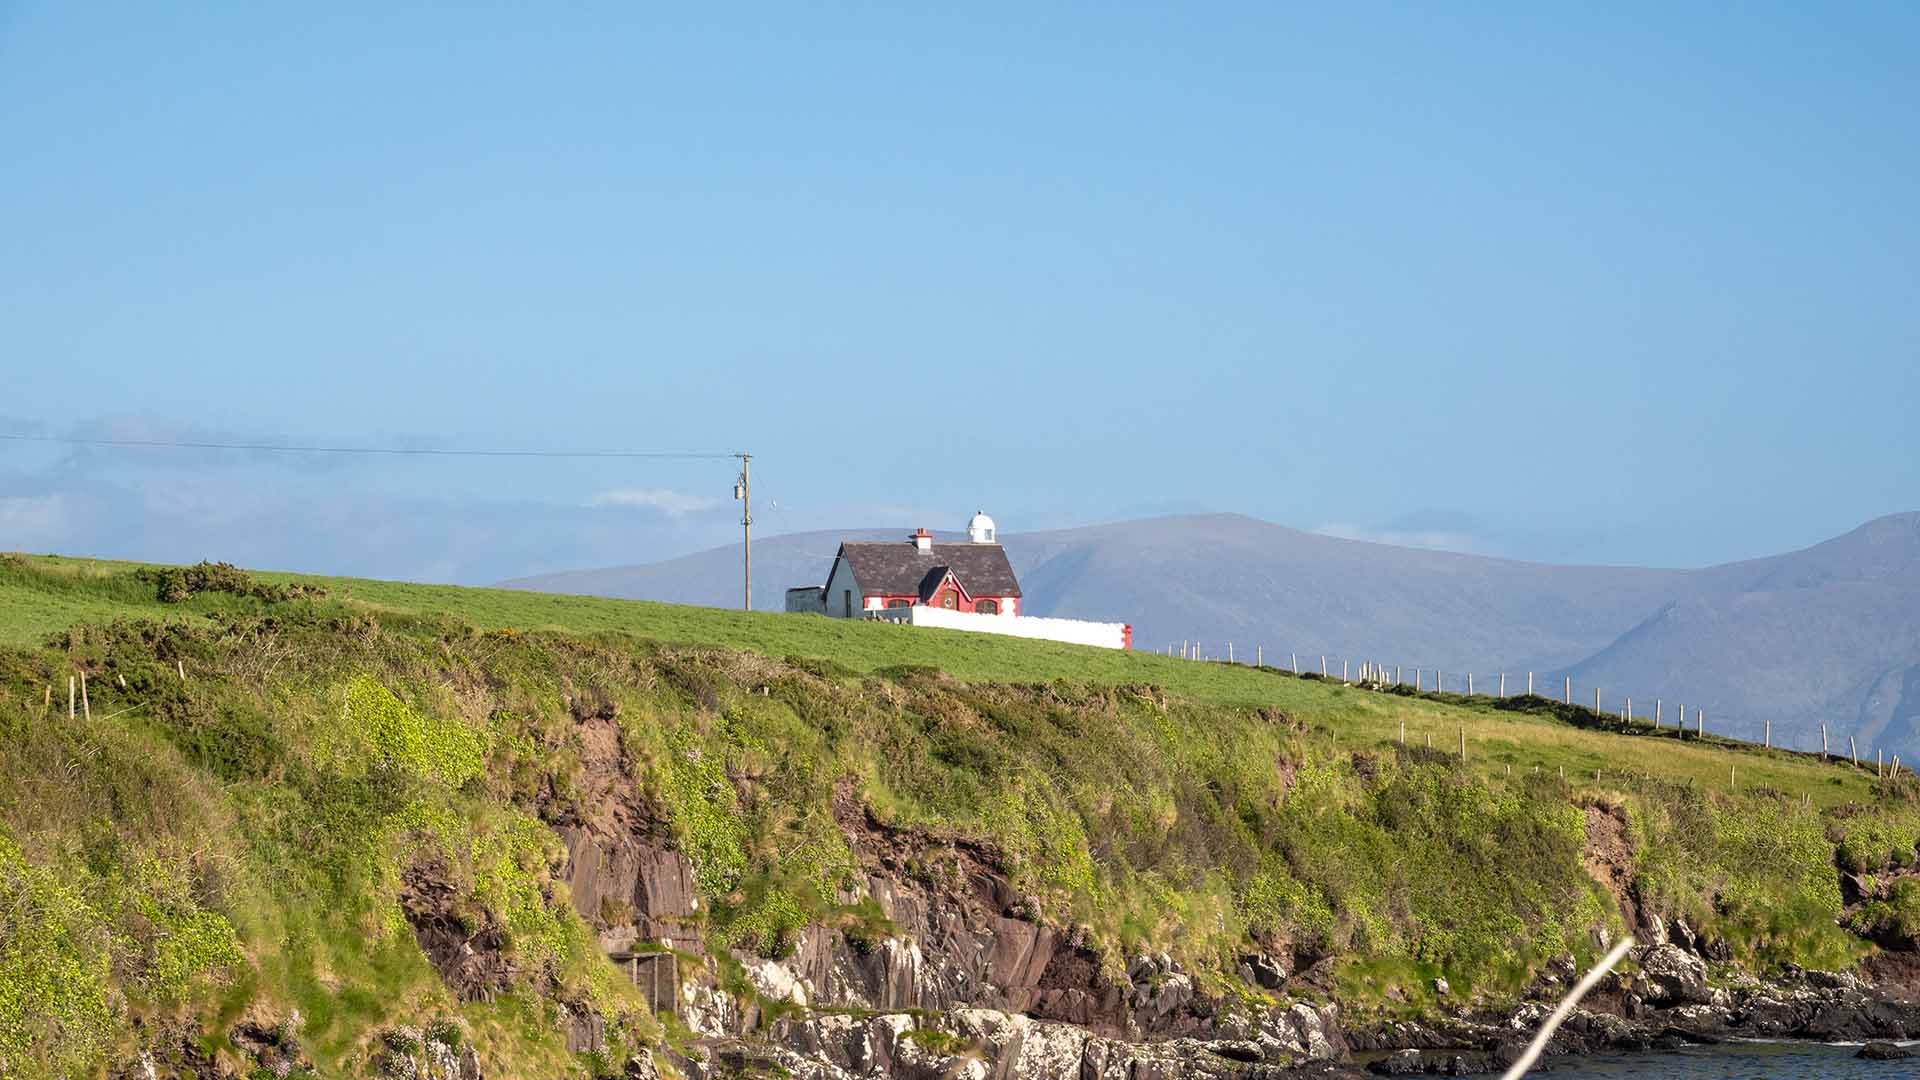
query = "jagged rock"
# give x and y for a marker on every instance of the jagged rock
(1675, 976)
(1655, 930)
(776, 983)
(1441, 988)
(1884, 1051)
(1834, 980)
(1263, 971)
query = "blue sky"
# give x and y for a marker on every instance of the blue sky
(1624, 283)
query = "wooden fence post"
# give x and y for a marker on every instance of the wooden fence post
(70, 697)
(86, 706)
(1463, 744)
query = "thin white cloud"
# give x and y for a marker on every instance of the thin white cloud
(671, 503)
(1431, 539)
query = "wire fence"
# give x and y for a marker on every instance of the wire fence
(1596, 705)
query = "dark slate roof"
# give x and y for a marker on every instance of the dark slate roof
(898, 568)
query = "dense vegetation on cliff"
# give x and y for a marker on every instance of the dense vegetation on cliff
(285, 786)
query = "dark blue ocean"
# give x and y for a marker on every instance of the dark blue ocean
(1743, 1060)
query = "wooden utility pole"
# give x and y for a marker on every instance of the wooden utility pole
(743, 491)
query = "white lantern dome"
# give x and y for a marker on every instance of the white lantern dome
(980, 529)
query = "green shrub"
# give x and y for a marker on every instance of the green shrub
(177, 584)
(54, 974)
(403, 740)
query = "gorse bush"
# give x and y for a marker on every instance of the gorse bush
(177, 584)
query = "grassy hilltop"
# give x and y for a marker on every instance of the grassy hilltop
(235, 844)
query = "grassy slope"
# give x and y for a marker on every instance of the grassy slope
(79, 590)
(233, 844)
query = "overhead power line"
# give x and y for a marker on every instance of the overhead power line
(684, 455)
(740, 490)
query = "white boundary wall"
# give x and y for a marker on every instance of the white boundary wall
(1111, 635)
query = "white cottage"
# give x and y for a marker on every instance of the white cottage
(919, 581)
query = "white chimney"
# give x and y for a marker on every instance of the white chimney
(923, 540)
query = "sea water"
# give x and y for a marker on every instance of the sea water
(1730, 1060)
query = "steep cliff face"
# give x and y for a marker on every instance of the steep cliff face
(303, 841)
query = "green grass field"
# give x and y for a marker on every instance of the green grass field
(47, 594)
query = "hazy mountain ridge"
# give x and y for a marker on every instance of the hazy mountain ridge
(1827, 633)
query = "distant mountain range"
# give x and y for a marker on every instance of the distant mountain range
(1827, 634)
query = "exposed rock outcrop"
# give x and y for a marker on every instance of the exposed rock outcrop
(1674, 976)
(471, 959)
